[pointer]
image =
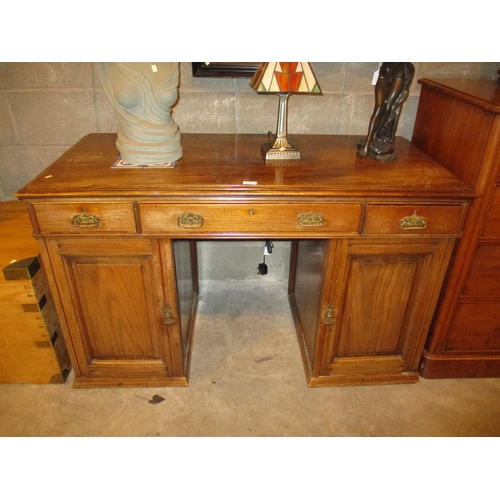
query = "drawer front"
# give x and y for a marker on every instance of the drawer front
(483, 278)
(86, 218)
(243, 219)
(475, 327)
(413, 220)
(491, 228)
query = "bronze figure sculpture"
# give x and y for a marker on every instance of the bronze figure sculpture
(143, 95)
(391, 90)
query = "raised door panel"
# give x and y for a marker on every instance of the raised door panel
(384, 297)
(113, 294)
(378, 291)
(116, 312)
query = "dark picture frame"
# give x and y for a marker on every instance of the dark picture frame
(224, 69)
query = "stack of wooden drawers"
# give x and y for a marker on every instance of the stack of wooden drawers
(32, 349)
(458, 124)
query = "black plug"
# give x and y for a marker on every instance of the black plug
(262, 269)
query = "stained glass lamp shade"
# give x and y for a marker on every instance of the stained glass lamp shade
(283, 78)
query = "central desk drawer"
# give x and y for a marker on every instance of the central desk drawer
(257, 218)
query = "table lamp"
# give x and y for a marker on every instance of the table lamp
(283, 78)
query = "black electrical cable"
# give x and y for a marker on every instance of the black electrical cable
(269, 246)
(262, 268)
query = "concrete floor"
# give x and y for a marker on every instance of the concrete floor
(247, 379)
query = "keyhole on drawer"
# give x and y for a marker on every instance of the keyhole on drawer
(250, 211)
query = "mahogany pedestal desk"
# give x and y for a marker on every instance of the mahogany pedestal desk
(371, 244)
(458, 124)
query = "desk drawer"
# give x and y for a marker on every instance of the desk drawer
(85, 218)
(484, 272)
(475, 327)
(257, 218)
(414, 220)
(491, 228)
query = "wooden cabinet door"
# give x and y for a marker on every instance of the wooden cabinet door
(378, 305)
(122, 323)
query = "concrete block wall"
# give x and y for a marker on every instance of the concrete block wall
(46, 107)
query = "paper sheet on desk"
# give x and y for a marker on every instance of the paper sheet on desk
(119, 163)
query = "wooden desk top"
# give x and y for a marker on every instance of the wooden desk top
(222, 165)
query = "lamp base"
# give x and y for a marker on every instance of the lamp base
(279, 149)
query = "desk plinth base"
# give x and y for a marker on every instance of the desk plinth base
(87, 383)
(333, 381)
(457, 366)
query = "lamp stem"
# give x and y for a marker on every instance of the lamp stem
(281, 142)
(279, 148)
(282, 116)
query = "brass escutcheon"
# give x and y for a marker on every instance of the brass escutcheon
(328, 317)
(311, 219)
(85, 220)
(414, 222)
(168, 317)
(190, 220)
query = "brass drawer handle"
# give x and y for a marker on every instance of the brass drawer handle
(190, 220)
(414, 222)
(85, 220)
(311, 219)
